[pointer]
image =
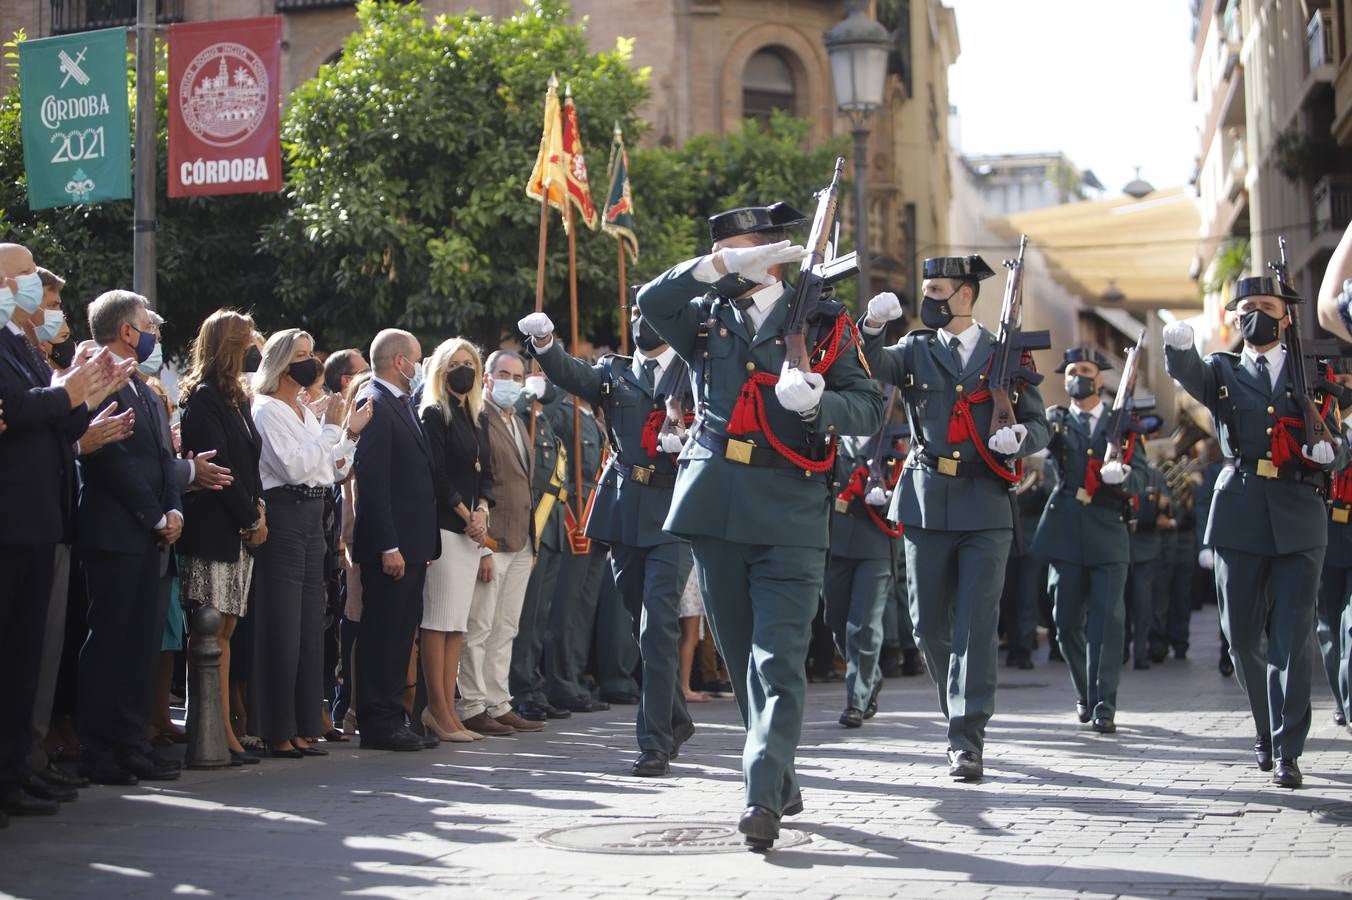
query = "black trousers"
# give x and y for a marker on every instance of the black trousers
(25, 594)
(391, 612)
(121, 654)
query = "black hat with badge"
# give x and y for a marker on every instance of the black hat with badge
(1263, 286)
(1084, 354)
(966, 268)
(751, 219)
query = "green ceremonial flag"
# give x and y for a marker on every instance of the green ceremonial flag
(76, 131)
(618, 218)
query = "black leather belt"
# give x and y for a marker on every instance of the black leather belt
(298, 491)
(1264, 468)
(644, 475)
(745, 452)
(957, 468)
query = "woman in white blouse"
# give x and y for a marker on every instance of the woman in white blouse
(305, 452)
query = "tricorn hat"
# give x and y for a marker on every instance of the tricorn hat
(1084, 354)
(972, 267)
(750, 219)
(1263, 286)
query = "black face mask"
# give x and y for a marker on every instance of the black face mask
(460, 380)
(63, 354)
(937, 313)
(253, 358)
(304, 372)
(1258, 328)
(645, 338)
(1080, 386)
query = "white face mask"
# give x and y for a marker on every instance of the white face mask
(536, 385)
(505, 393)
(52, 320)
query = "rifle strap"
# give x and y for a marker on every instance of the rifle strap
(856, 489)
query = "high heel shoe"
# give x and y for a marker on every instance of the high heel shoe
(430, 722)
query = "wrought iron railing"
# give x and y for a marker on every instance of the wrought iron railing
(71, 16)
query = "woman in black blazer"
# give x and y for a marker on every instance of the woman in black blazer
(220, 526)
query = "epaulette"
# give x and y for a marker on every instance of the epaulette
(1056, 413)
(1235, 358)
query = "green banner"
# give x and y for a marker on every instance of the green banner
(73, 104)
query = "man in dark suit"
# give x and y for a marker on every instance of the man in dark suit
(130, 510)
(394, 537)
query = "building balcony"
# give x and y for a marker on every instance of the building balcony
(1236, 169)
(1332, 197)
(303, 5)
(1319, 60)
(72, 16)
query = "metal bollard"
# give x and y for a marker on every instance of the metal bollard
(207, 746)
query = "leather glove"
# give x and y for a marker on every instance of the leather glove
(1114, 473)
(536, 386)
(1178, 335)
(754, 263)
(1008, 440)
(1322, 453)
(1206, 559)
(884, 308)
(797, 391)
(876, 496)
(671, 442)
(536, 325)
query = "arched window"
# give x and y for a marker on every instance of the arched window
(767, 85)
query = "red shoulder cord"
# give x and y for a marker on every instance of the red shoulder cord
(1342, 487)
(854, 490)
(653, 427)
(962, 427)
(748, 414)
(1093, 480)
(1284, 445)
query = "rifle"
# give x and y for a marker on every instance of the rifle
(1119, 423)
(815, 275)
(1304, 362)
(675, 388)
(878, 445)
(1007, 366)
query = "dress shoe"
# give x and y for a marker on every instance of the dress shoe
(1226, 665)
(513, 721)
(1180, 653)
(108, 772)
(533, 712)
(910, 662)
(1104, 725)
(1158, 654)
(16, 801)
(53, 775)
(148, 768)
(1082, 711)
(489, 726)
(1141, 664)
(431, 726)
(399, 739)
(679, 735)
(556, 712)
(46, 791)
(721, 689)
(1287, 774)
(795, 805)
(1262, 752)
(651, 764)
(964, 765)
(1339, 718)
(586, 705)
(620, 698)
(852, 718)
(430, 741)
(871, 709)
(760, 826)
(244, 759)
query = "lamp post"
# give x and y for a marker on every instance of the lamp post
(858, 46)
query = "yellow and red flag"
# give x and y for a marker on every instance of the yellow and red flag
(549, 180)
(579, 188)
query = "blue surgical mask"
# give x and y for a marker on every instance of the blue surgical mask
(505, 393)
(30, 292)
(415, 380)
(8, 302)
(145, 345)
(151, 365)
(52, 320)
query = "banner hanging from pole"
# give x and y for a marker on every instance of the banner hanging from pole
(75, 121)
(548, 180)
(579, 188)
(618, 219)
(224, 107)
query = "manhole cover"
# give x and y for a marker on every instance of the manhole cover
(1338, 813)
(660, 838)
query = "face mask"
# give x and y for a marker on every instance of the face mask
(7, 304)
(645, 338)
(253, 358)
(536, 385)
(505, 394)
(936, 313)
(461, 380)
(52, 320)
(1080, 386)
(304, 372)
(153, 363)
(30, 292)
(1258, 328)
(415, 380)
(63, 354)
(145, 345)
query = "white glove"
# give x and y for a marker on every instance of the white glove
(1206, 559)
(537, 325)
(671, 442)
(536, 386)
(754, 263)
(1322, 453)
(1114, 473)
(797, 391)
(1178, 335)
(876, 496)
(1008, 440)
(884, 307)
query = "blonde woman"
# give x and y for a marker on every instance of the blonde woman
(450, 405)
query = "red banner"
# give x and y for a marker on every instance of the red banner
(224, 101)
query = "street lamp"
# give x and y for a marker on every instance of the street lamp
(858, 47)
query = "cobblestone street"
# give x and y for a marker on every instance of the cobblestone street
(1172, 805)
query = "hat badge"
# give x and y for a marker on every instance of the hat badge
(744, 219)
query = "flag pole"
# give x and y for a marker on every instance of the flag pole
(624, 301)
(570, 227)
(143, 214)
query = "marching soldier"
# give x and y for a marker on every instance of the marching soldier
(650, 566)
(954, 495)
(1025, 573)
(1333, 615)
(1084, 534)
(1267, 526)
(752, 490)
(1147, 560)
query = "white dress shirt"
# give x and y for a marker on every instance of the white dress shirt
(664, 360)
(763, 300)
(966, 342)
(1276, 358)
(1090, 416)
(297, 451)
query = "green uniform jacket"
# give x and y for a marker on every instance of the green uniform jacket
(1075, 532)
(746, 504)
(1266, 516)
(1147, 544)
(853, 532)
(547, 451)
(925, 498)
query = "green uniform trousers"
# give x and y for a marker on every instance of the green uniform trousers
(572, 617)
(1333, 628)
(857, 590)
(955, 581)
(760, 601)
(1270, 600)
(1090, 609)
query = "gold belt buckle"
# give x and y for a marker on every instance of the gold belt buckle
(844, 506)
(640, 474)
(1084, 496)
(1266, 469)
(739, 451)
(947, 467)
(1339, 514)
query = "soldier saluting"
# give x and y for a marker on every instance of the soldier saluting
(752, 491)
(954, 495)
(1266, 528)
